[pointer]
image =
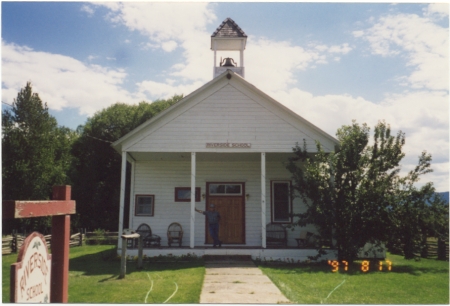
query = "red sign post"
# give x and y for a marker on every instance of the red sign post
(60, 209)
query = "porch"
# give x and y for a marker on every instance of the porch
(244, 213)
(269, 254)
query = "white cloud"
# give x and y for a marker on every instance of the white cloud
(422, 42)
(423, 116)
(169, 26)
(436, 10)
(158, 90)
(358, 33)
(61, 81)
(273, 75)
(422, 111)
(343, 49)
(87, 9)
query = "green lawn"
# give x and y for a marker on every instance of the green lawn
(409, 282)
(93, 278)
(94, 271)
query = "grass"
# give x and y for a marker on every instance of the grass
(94, 271)
(409, 282)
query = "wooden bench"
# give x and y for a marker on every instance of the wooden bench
(276, 235)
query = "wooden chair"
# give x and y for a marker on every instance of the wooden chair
(148, 239)
(175, 233)
(276, 235)
(304, 239)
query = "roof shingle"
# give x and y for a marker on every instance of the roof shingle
(228, 29)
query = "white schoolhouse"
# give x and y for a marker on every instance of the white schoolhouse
(225, 143)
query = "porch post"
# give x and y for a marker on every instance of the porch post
(263, 199)
(133, 167)
(192, 230)
(123, 178)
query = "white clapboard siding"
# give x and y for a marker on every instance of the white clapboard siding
(232, 113)
(160, 179)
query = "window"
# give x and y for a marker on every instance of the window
(144, 205)
(281, 201)
(225, 189)
(183, 194)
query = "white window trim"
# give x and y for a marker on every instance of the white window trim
(136, 205)
(272, 201)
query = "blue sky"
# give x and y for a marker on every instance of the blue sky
(329, 62)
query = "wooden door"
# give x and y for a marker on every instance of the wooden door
(232, 219)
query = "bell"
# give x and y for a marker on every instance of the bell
(228, 62)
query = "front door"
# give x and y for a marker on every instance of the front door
(228, 199)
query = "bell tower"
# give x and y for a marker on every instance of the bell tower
(228, 40)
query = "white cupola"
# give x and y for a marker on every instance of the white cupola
(228, 40)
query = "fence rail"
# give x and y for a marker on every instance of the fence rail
(433, 249)
(12, 243)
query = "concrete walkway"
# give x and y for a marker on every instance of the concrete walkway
(238, 281)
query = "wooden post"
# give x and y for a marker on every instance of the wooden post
(441, 249)
(60, 249)
(140, 252)
(123, 260)
(81, 237)
(60, 209)
(129, 234)
(14, 243)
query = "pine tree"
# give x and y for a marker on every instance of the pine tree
(35, 151)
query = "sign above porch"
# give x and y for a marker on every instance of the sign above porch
(234, 145)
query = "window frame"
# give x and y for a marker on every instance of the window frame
(272, 202)
(225, 194)
(197, 194)
(136, 205)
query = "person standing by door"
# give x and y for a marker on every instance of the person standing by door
(213, 218)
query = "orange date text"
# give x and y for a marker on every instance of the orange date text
(365, 265)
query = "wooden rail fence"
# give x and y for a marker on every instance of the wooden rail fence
(12, 243)
(433, 249)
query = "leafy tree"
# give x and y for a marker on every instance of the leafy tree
(35, 153)
(97, 166)
(356, 195)
(417, 213)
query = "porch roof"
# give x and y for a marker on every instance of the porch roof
(209, 156)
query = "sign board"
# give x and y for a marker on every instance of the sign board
(30, 275)
(230, 145)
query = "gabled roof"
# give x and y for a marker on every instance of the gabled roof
(228, 29)
(136, 134)
(118, 143)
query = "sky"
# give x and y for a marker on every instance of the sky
(331, 63)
